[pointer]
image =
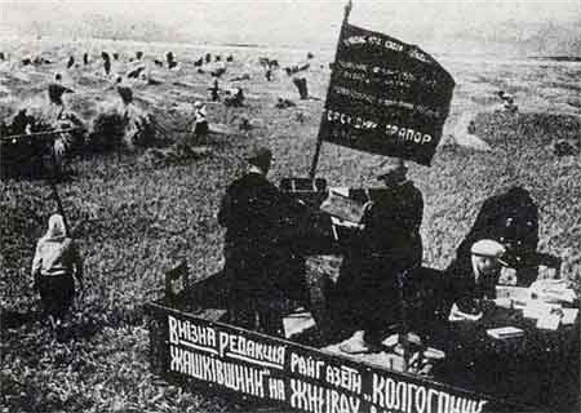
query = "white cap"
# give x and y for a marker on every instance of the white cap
(488, 248)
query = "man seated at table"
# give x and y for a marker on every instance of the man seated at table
(471, 286)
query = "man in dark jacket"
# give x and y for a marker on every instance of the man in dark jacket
(372, 272)
(262, 225)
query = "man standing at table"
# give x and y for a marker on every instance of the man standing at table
(262, 226)
(373, 271)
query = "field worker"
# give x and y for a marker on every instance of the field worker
(55, 266)
(56, 90)
(106, 62)
(125, 92)
(201, 128)
(260, 229)
(388, 247)
(215, 90)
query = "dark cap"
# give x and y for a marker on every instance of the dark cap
(259, 156)
(393, 172)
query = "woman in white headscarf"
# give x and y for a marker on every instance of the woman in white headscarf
(55, 266)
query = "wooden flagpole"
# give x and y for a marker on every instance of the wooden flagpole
(315, 161)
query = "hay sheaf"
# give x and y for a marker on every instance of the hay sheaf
(144, 218)
(27, 152)
(119, 126)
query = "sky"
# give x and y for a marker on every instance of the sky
(555, 24)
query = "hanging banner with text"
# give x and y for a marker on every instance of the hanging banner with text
(386, 97)
(186, 348)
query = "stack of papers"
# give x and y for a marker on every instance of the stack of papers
(503, 333)
(553, 291)
(340, 205)
(514, 293)
(549, 316)
(569, 316)
(536, 309)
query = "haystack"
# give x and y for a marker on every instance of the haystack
(25, 147)
(120, 125)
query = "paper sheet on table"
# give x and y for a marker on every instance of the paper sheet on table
(505, 332)
(536, 309)
(553, 291)
(569, 316)
(549, 321)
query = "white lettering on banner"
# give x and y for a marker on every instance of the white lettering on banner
(416, 54)
(364, 97)
(357, 76)
(397, 74)
(186, 331)
(237, 377)
(406, 397)
(344, 377)
(354, 94)
(276, 388)
(306, 366)
(407, 134)
(419, 108)
(374, 40)
(206, 339)
(242, 348)
(351, 65)
(317, 399)
(390, 44)
(354, 121)
(353, 40)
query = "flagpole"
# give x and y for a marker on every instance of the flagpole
(315, 161)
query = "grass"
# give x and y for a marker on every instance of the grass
(136, 219)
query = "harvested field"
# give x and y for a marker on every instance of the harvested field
(134, 219)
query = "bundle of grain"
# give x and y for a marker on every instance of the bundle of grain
(29, 138)
(120, 125)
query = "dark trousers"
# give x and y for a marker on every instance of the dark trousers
(201, 131)
(56, 294)
(254, 301)
(256, 311)
(365, 298)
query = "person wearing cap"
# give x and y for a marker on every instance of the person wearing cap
(262, 224)
(471, 285)
(200, 129)
(511, 218)
(388, 247)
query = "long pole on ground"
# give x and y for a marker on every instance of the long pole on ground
(315, 161)
(55, 194)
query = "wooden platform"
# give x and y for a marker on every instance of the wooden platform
(302, 321)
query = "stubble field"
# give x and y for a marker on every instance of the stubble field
(135, 218)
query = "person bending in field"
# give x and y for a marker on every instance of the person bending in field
(55, 267)
(201, 128)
